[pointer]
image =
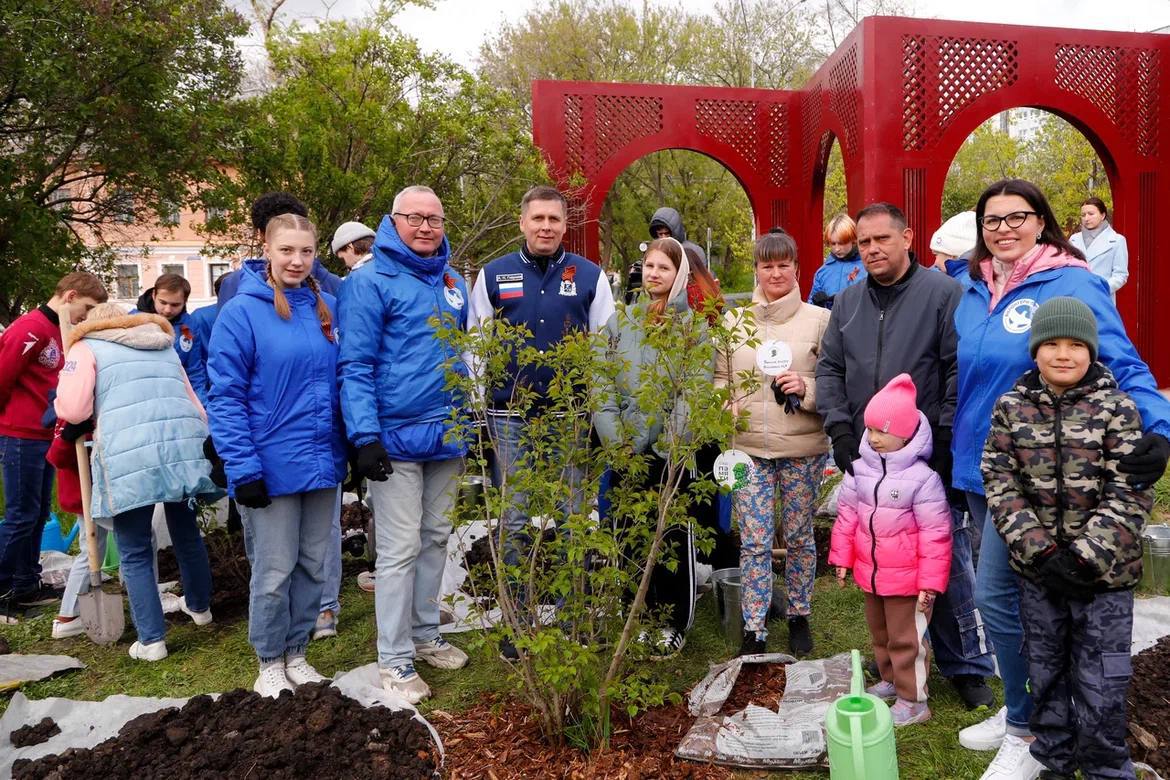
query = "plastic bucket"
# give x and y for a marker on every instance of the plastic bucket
(727, 587)
(1156, 560)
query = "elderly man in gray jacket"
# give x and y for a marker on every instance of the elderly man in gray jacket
(901, 320)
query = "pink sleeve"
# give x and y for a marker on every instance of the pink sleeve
(845, 528)
(932, 513)
(75, 385)
(194, 398)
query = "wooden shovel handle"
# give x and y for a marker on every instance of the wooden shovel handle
(91, 542)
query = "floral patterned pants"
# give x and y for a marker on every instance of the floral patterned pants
(794, 482)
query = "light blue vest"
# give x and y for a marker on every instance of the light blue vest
(148, 445)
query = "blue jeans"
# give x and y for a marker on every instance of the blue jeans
(28, 496)
(286, 543)
(997, 594)
(956, 626)
(413, 508)
(132, 531)
(512, 455)
(332, 589)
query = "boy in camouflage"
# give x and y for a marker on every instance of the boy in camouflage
(1072, 525)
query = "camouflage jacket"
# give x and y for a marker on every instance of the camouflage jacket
(1050, 474)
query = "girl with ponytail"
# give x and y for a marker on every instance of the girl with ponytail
(276, 422)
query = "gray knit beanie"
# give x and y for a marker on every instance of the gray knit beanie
(1067, 318)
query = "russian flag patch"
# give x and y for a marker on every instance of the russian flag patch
(511, 290)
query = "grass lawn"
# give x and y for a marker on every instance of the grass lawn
(218, 658)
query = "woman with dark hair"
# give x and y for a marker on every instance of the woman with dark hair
(1104, 248)
(667, 276)
(1020, 261)
(785, 438)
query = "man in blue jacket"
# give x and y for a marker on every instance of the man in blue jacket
(553, 293)
(168, 298)
(397, 410)
(264, 208)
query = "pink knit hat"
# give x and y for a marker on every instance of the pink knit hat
(893, 409)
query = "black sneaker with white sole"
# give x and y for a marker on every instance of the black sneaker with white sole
(41, 596)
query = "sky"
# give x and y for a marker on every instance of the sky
(458, 27)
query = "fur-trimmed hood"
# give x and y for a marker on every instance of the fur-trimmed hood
(140, 331)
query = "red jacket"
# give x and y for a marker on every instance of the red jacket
(30, 358)
(63, 456)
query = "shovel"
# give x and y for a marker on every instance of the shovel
(101, 612)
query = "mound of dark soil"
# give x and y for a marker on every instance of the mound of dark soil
(26, 736)
(316, 732)
(1149, 707)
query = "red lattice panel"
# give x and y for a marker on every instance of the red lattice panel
(810, 122)
(732, 122)
(622, 119)
(913, 92)
(1121, 82)
(574, 134)
(778, 136)
(843, 96)
(968, 69)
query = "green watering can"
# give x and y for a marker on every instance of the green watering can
(860, 734)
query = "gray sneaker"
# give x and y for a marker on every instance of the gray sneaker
(440, 654)
(404, 681)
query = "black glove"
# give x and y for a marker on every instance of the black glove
(373, 462)
(218, 475)
(941, 459)
(790, 401)
(1146, 464)
(846, 447)
(74, 431)
(821, 298)
(253, 495)
(1063, 572)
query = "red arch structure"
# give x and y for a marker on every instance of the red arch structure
(900, 95)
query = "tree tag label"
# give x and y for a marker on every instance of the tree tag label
(732, 468)
(774, 357)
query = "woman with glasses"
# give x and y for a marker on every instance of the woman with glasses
(1021, 260)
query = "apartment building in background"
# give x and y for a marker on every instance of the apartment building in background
(145, 249)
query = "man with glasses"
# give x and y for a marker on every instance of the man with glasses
(553, 293)
(901, 320)
(397, 412)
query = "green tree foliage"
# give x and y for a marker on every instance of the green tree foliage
(1063, 162)
(357, 111)
(106, 106)
(987, 155)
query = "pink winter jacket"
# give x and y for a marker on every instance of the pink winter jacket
(893, 524)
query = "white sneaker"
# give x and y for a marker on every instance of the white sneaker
(272, 680)
(1013, 761)
(365, 581)
(440, 654)
(326, 625)
(200, 618)
(63, 629)
(298, 671)
(155, 651)
(986, 734)
(404, 681)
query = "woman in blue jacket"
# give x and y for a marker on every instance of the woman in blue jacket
(1020, 261)
(276, 422)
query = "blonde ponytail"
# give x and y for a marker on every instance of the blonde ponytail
(322, 309)
(278, 298)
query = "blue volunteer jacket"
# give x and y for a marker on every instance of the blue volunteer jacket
(274, 403)
(230, 286)
(567, 297)
(393, 364)
(202, 320)
(836, 273)
(993, 353)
